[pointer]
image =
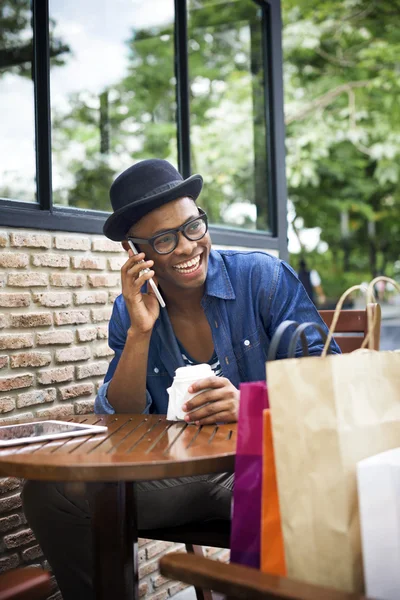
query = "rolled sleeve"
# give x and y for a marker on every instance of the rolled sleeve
(102, 405)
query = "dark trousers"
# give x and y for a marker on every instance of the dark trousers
(60, 517)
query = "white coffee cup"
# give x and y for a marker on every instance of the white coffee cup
(178, 392)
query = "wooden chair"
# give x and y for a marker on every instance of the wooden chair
(30, 583)
(238, 582)
(352, 327)
(215, 533)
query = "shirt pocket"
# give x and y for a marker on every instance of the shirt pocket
(246, 345)
(250, 353)
(155, 369)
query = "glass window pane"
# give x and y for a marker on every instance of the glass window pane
(113, 102)
(17, 140)
(228, 129)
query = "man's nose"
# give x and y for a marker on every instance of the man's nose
(185, 246)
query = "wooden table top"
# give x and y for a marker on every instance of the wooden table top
(135, 447)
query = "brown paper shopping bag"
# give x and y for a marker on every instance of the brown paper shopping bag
(328, 413)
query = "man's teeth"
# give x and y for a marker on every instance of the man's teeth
(189, 266)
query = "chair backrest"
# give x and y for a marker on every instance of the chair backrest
(352, 327)
(29, 583)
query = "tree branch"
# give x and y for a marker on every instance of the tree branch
(325, 100)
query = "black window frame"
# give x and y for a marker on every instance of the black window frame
(43, 214)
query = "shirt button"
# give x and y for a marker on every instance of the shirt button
(246, 342)
(156, 370)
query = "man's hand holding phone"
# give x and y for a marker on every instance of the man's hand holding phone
(143, 308)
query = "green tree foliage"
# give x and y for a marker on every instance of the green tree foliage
(343, 124)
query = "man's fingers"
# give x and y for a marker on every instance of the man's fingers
(209, 382)
(212, 408)
(221, 417)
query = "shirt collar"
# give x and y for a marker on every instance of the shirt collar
(218, 282)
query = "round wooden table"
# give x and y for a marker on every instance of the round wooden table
(134, 448)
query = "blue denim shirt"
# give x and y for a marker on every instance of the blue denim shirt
(247, 295)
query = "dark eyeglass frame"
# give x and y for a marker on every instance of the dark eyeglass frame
(202, 215)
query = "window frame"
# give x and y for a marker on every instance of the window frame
(43, 214)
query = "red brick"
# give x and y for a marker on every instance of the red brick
(84, 407)
(16, 382)
(178, 587)
(31, 320)
(3, 239)
(36, 397)
(31, 553)
(53, 299)
(30, 240)
(56, 375)
(69, 242)
(158, 581)
(3, 362)
(147, 568)
(28, 279)
(71, 317)
(89, 262)
(100, 314)
(143, 588)
(7, 404)
(102, 332)
(112, 296)
(92, 370)
(16, 418)
(87, 334)
(16, 341)
(115, 263)
(13, 260)
(91, 297)
(10, 503)
(10, 522)
(57, 261)
(9, 562)
(73, 354)
(101, 280)
(56, 412)
(161, 595)
(3, 321)
(14, 300)
(105, 245)
(156, 548)
(54, 337)
(56, 596)
(30, 359)
(102, 351)
(3, 279)
(8, 484)
(21, 538)
(67, 279)
(76, 391)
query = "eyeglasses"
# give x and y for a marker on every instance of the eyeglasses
(166, 242)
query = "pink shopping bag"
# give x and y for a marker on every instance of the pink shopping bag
(246, 518)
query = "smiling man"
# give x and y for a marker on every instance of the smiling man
(222, 308)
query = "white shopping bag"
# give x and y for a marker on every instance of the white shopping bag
(378, 481)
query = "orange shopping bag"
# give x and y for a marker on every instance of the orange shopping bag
(272, 546)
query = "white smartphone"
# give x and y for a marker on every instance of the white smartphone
(151, 282)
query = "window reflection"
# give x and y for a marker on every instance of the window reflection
(17, 150)
(114, 100)
(228, 111)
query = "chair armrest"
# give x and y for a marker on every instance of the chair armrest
(242, 582)
(29, 583)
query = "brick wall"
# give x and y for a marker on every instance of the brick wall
(56, 295)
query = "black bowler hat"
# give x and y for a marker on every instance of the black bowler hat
(143, 187)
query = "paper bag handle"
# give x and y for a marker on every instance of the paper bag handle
(277, 337)
(370, 337)
(300, 332)
(336, 316)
